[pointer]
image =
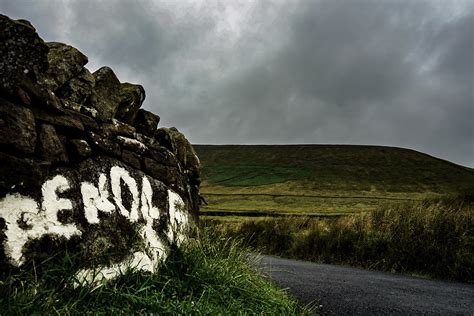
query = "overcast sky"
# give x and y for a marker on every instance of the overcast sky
(393, 72)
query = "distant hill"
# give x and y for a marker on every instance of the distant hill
(363, 173)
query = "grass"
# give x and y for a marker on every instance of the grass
(434, 238)
(210, 275)
(255, 175)
(333, 167)
(322, 179)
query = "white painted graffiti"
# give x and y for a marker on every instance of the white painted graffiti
(26, 219)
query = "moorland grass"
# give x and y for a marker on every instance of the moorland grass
(433, 238)
(322, 179)
(210, 275)
(336, 168)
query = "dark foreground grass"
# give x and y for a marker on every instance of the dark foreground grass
(210, 275)
(429, 238)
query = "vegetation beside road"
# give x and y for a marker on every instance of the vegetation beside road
(375, 207)
(433, 238)
(210, 276)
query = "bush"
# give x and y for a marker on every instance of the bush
(433, 238)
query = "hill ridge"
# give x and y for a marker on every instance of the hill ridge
(297, 179)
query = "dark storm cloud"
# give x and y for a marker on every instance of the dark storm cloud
(389, 72)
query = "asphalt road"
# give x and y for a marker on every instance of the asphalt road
(336, 290)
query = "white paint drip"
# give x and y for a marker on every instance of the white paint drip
(139, 261)
(178, 218)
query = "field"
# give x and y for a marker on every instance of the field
(374, 207)
(321, 180)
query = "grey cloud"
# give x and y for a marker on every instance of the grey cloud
(396, 73)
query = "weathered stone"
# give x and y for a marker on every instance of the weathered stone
(77, 185)
(17, 127)
(87, 121)
(156, 170)
(169, 175)
(22, 53)
(65, 62)
(182, 148)
(105, 97)
(76, 111)
(51, 147)
(20, 173)
(22, 96)
(131, 158)
(89, 111)
(23, 57)
(40, 97)
(79, 88)
(67, 121)
(73, 106)
(164, 138)
(79, 149)
(131, 99)
(132, 144)
(117, 128)
(149, 141)
(115, 215)
(163, 156)
(146, 122)
(104, 145)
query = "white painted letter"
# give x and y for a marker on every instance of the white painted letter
(178, 218)
(117, 174)
(12, 208)
(52, 204)
(95, 199)
(147, 208)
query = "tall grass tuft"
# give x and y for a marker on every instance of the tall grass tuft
(432, 238)
(209, 275)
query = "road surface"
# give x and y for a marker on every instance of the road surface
(336, 290)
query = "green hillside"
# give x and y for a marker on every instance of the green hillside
(321, 179)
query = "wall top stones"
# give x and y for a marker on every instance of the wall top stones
(59, 121)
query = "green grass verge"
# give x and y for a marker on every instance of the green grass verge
(433, 238)
(210, 275)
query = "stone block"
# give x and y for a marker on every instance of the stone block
(132, 144)
(79, 88)
(17, 128)
(78, 149)
(66, 121)
(104, 145)
(65, 62)
(51, 147)
(131, 99)
(105, 96)
(146, 122)
(131, 159)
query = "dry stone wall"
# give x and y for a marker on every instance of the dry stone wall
(83, 167)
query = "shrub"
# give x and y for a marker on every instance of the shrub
(433, 238)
